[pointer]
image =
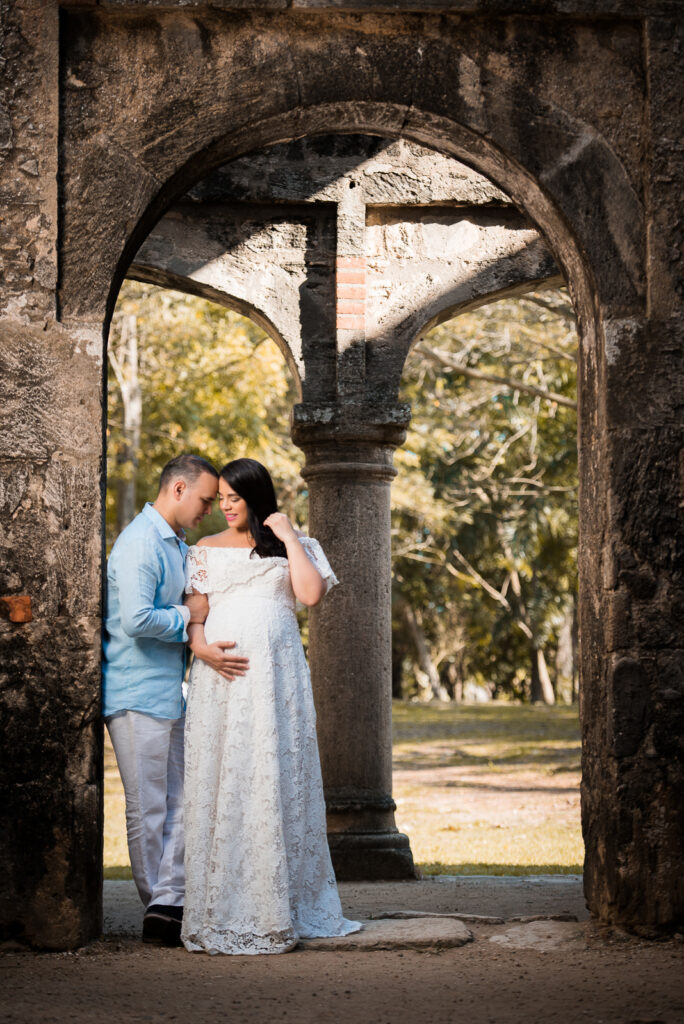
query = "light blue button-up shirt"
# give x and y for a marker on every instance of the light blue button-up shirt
(144, 640)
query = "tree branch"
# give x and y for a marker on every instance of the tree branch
(445, 359)
(492, 591)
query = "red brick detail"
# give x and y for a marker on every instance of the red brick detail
(351, 276)
(351, 261)
(16, 608)
(351, 306)
(347, 322)
(351, 291)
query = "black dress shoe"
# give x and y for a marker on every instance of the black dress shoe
(162, 925)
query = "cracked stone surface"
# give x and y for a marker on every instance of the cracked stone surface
(424, 914)
(416, 933)
(541, 935)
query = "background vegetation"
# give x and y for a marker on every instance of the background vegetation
(484, 530)
(484, 506)
(481, 789)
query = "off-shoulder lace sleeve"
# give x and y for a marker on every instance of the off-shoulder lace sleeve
(196, 570)
(317, 555)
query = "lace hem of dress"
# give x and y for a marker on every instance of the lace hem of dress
(224, 940)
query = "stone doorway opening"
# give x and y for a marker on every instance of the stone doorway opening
(343, 247)
(349, 423)
(485, 539)
(572, 116)
(185, 375)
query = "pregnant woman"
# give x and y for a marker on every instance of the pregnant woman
(258, 869)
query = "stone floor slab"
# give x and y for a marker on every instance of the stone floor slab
(542, 936)
(471, 898)
(417, 933)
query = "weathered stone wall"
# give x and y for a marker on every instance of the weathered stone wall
(632, 616)
(50, 480)
(574, 109)
(311, 236)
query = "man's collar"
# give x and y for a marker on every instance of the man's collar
(164, 529)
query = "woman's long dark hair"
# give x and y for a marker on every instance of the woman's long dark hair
(252, 481)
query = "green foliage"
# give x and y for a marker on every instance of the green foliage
(486, 494)
(485, 499)
(212, 383)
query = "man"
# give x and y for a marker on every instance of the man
(143, 668)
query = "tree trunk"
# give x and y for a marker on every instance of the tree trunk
(575, 650)
(430, 681)
(454, 682)
(398, 654)
(541, 689)
(131, 398)
(565, 657)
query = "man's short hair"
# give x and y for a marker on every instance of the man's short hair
(185, 467)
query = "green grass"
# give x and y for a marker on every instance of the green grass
(437, 868)
(489, 789)
(480, 789)
(121, 872)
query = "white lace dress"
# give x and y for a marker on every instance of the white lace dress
(258, 869)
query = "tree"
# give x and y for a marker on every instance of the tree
(486, 500)
(123, 359)
(188, 375)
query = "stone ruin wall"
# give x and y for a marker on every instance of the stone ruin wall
(574, 110)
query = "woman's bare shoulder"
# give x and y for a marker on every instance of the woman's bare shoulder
(214, 540)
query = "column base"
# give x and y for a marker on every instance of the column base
(371, 856)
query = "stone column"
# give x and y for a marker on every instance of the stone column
(348, 471)
(50, 547)
(632, 558)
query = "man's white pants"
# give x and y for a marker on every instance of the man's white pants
(149, 753)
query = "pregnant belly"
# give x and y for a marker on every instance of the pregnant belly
(254, 625)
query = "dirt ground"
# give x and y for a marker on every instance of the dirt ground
(492, 789)
(626, 982)
(489, 789)
(593, 975)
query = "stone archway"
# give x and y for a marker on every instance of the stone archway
(526, 103)
(350, 243)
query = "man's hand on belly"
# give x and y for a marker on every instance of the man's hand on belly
(219, 657)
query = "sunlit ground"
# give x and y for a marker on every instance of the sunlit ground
(489, 789)
(480, 789)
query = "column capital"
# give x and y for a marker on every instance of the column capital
(349, 441)
(349, 425)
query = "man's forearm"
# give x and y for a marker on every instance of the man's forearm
(166, 624)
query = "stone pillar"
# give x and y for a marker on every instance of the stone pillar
(348, 471)
(632, 568)
(50, 507)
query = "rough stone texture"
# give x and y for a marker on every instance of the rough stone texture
(478, 900)
(50, 459)
(572, 108)
(389, 235)
(274, 264)
(427, 265)
(542, 936)
(348, 471)
(422, 933)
